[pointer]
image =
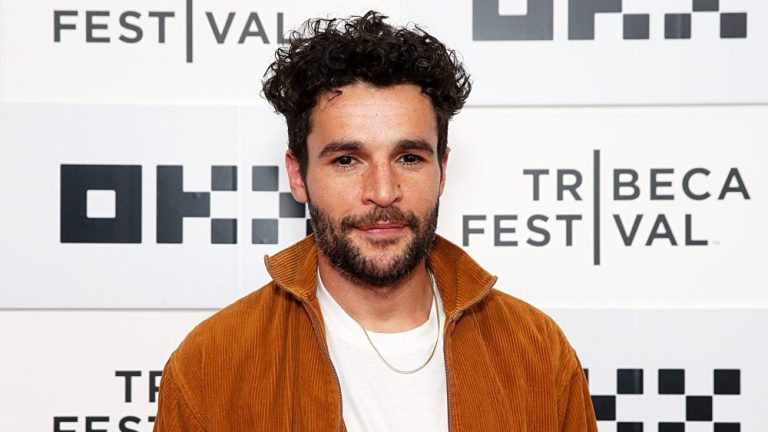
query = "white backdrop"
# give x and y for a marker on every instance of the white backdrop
(667, 280)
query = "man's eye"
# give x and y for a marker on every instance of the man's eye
(345, 160)
(411, 159)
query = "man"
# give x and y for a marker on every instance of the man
(374, 323)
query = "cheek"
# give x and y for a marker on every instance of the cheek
(331, 196)
(423, 194)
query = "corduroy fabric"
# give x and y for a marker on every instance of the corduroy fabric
(261, 364)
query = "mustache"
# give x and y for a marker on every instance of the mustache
(380, 214)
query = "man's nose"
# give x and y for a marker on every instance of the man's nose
(382, 185)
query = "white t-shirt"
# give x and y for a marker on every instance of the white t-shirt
(375, 398)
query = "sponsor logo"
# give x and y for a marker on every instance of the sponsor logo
(699, 408)
(650, 185)
(538, 23)
(133, 380)
(132, 26)
(630, 384)
(123, 224)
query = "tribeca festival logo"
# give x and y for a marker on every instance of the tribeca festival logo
(133, 389)
(120, 186)
(538, 22)
(630, 384)
(627, 184)
(129, 27)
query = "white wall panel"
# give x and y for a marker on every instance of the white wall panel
(492, 148)
(673, 249)
(695, 366)
(562, 63)
(65, 365)
(685, 298)
(196, 63)
(699, 56)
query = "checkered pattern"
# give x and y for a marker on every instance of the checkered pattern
(678, 25)
(698, 408)
(175, 204)
(263, 179)
(732, 25)
(265, 231)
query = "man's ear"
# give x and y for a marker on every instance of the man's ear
(444, 166)
(298, 188)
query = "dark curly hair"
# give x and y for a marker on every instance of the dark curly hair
(326, 54)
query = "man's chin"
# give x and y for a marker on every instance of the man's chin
(375, 261)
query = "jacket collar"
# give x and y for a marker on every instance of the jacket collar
(461, 280)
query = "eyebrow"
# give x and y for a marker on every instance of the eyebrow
(415, 144)
(352, 146)
(341, 146)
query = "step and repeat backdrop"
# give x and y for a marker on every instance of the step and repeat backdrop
(610, 167)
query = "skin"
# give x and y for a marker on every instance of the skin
(374, 147)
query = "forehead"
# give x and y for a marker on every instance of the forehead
(369, 114)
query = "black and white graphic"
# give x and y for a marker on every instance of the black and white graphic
(649, 370)
(224, 27)
(582, 213)
(519, 52)
(76, 224)
(538, 23)
(174, 204)
(565, 184)
(605, 52)
(698, 408)
(631, 200)
(192, 51)
(265, 231)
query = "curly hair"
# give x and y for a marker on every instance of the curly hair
(326, 54)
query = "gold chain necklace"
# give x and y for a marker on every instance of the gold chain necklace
(434, 347)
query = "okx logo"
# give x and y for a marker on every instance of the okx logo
(697, 409)
(538, 22)
(103, 204)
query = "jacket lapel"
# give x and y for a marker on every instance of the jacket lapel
(461, 280)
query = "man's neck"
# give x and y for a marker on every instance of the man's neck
(390, 309)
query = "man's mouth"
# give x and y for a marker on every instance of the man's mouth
(382, 229)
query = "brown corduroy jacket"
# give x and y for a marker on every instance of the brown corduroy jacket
(262, 363)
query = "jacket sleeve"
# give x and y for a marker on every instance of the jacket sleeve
(173, 410)
(574, 403)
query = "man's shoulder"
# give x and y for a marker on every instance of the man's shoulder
(510, 317)
(237, 327)
(500, 305)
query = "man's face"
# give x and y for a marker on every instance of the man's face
(373, 180)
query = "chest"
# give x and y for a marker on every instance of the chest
(377, 399)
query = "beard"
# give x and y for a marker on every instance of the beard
(334, 238)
